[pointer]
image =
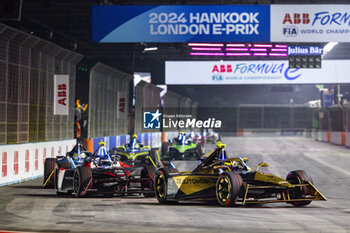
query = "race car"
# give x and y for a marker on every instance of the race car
(134, 151)
(97, 172)
(195, 137)
(231, 182)
(50, 163)
(181, 145)
(211, 136)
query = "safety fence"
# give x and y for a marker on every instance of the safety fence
(27, 68)
(108, 101)
(26, 161)
(332, 125)
(147, 96)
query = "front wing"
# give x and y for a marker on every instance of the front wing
(282, 194)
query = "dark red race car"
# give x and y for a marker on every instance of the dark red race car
(82, 173)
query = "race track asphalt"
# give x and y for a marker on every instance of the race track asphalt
(28, 207)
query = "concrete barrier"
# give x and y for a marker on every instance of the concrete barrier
(153, 140)
(347, 139)
(324, 136)
(20, 162)
(336, 138)
(246, 132)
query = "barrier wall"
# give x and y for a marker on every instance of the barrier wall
(271, 132)
(336, 138)
(347, 139)
(153, 140)
(22, 162)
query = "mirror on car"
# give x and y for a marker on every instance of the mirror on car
(262, 165)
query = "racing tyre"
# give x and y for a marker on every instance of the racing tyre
(81, 180)
(161, 186)
(153, 154)
(147, 180)
(200, 148)
(165, 147)
(300, 177)
(228, 186)
(49, 177)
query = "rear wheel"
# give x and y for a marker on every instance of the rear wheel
(165, 147)
(147, 181)
(228, 187)
(81, 179)
(300, 177)
(49, 177)
(153, 154)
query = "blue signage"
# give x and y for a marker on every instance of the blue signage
(181, 23)
(328, 100)
(305, 50)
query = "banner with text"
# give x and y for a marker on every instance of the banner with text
(310, 23)
(181, 23)
(61, 95)
(221, 23)
(253, 72)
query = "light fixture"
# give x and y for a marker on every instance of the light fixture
(150, 49)
(207, 54)
(205, 49)
(206, 44)
(236, 49)
(238, 54)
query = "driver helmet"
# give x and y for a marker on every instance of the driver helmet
(102, 153)
(134, 142)
(82, 155)
(76, 157)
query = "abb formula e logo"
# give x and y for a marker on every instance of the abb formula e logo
(255, 71)
(296, 18)
(292, 21)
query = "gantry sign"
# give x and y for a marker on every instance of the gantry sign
(221, 23)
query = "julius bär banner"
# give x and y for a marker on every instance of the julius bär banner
(61, 95)
(310, 23)
(181, 23)
(253, 72)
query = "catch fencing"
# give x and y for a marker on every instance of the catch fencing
(108, 101)
(27, 68)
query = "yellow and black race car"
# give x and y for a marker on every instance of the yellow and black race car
(231, 182)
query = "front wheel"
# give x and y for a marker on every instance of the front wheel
(81, 180)
(228, 186)
(147, 181)
(161, 187)
(165, 147)
(300, 177)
